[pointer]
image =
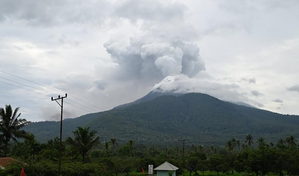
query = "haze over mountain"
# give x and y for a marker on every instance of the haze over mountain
(199, 118)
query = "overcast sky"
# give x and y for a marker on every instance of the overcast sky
(106, 53)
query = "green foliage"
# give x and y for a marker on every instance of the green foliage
(196, 117)
(83, 142)
(261, 160)
(10, 127)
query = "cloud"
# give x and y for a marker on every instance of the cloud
(203, 84)
(151, 52)
(56, 12)
(258, 105)
(278, 101)
(100, 84)
(256, 93)
(146, 57)
(294, 88)
(151, 10)
(249, 80)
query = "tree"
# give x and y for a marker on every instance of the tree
(83, 142)
(131, 142)
(113, 142)
(229, 145)
(291, 141)
(261, 142)
(249, 139)
(10, 126)
(217, 163)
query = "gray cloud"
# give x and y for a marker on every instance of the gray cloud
(100, 84)
(278, 101)
(155, 52)
(150, 10)
(294, 88)
(145, 58)
(56, 116)
(56, 12)
(201, 83)
(256, 93)
(259, 105)
(249, 80)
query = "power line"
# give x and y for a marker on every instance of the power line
(55, 89)
(81, 105)
(18, 82)
(21, 87)
(82, 108)
(35, 91)
(87, 110)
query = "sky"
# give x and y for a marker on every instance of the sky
(104, 53)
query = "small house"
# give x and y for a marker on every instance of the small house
(166, 169)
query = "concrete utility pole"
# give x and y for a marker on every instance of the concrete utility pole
(183, 140)
(60, 134)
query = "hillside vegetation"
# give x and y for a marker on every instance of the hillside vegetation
(199, 118)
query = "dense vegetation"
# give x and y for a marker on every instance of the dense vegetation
(249, 156)
(157, 119)
(89, 152)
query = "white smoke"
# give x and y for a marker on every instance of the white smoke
(144, 57)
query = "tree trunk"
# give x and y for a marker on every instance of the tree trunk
(83, 156)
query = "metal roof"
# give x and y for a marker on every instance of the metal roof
(166, 167)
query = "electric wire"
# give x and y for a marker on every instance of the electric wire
(34, 91)
(55, 89)
(20, 87)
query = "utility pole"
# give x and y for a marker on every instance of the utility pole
(183, 140)
(60, 134)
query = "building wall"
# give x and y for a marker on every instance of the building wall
(165, 173)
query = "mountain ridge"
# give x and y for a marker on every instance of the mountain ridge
(199, 118)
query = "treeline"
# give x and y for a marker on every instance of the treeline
(84, 154)
(109, 158)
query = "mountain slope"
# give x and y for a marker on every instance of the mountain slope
(199, 118)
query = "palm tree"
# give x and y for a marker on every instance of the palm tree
(131, 142)
(213, 149)
(113, 142)
(280, 143)
(10, 126)
(249, 139)
(291, 141)
(83, 142)
(200, 149)
(229, 145)
(261, 142)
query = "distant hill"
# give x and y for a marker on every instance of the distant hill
(199, 118)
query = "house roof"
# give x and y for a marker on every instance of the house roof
(5, 161)
(166, 167)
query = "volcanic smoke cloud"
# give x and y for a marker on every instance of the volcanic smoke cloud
(143, 60)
